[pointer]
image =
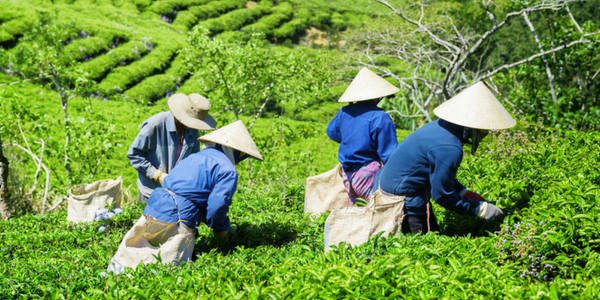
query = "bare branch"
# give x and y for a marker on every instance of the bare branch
(552, 5)
(449, 46)
(36, 159)
(15, 82)
(581, 40)
(260, 110)
(489, 13)
(541, 49)
(39, 168)
(596, 74)
(56, 205)
(403, 115)
(573, 19)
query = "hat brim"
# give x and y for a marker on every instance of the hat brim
(235, 136)
(179, 113)
(367, 85)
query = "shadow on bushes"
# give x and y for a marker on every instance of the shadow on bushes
(454, 224)
(250, 236)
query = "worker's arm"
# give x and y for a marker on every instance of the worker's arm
(144, 143)
(219, 201)
(445, 189)
(385, 136)
(333, 129)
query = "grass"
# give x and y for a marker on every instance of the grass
(546, 181)
(279, 250)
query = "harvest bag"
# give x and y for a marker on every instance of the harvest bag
(355, 225)
(149, 239)
(85, 199)
(325, 192)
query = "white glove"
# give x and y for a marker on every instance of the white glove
(489, 211)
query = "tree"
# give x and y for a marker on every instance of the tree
(41, 57)
(252, 77)
(4, 191)
(445, 58)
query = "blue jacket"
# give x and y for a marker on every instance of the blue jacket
(155, 147)
(365, 132)
(203, 185)
(428, 160)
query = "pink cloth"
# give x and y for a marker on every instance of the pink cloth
(359, 184)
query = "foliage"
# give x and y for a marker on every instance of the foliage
(187, 19)
(268, 23)
(279, 250)
(235, 19)
(576, 78)
(251, 74)
(545, 180)
(122, 78)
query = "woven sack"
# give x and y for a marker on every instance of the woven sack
(150, 239)
(85, 199)
(325, 192)
(354, 226)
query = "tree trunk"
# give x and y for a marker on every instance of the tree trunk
(4, 192)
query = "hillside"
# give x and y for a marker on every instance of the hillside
(132, 54)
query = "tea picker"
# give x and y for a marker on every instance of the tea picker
(166, 138)
(198, 190)
(424, 164)
(366, 133)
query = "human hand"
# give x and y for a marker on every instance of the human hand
(489, 211)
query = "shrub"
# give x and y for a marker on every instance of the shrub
(208, 10)
(166, 7)
(85, 49)
(235, 19)
(268, 23)
(122, 78)
(155, 87)
(293, 28)
(99, 67)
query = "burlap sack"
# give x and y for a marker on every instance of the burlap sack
(355, 225)
(85, 199)
(325, 192)
(150, 239)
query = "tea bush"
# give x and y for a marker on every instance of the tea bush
(122, 78)
(545, 180)
(268, 23)
(158, 86)
(235, 19)
(187, 19)
(125, 54)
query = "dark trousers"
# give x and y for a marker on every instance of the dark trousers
(418, 224)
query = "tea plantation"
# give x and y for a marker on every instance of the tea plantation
(135, 53)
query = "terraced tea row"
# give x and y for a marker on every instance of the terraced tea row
(144, 65)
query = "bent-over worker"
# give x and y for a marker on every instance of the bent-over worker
(366, 133)
(425, 163)
(198, 190)
(166, 138)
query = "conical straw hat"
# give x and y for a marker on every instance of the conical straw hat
(192, 111)
(366, 86)
(475, 107)
(236, 136)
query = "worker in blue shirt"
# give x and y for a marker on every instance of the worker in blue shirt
(425, 163)
(166, 138)
(198, 190)
(366, 133)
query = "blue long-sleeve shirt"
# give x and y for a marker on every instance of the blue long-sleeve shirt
(203, 185)
(428, 160)
(155, 147)
(365, 132)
